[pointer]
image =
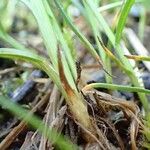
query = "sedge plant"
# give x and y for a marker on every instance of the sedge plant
(60, 65)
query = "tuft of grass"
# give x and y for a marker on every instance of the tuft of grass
(60, 66)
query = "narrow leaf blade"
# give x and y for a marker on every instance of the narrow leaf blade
(122, 19)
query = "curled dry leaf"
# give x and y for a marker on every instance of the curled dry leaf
(108, 103)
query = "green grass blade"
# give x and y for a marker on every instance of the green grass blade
(100, 20)
(61, 39)
(83, 39)
(67, 32)
(116, 87)
(51, 33)
(86, 43)
(114, 5)
(96, 31)
(33, 58)
(10, 40)
(122, 19)
(62, 142)
(45, 27)
(104, 26)
(109, 6)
